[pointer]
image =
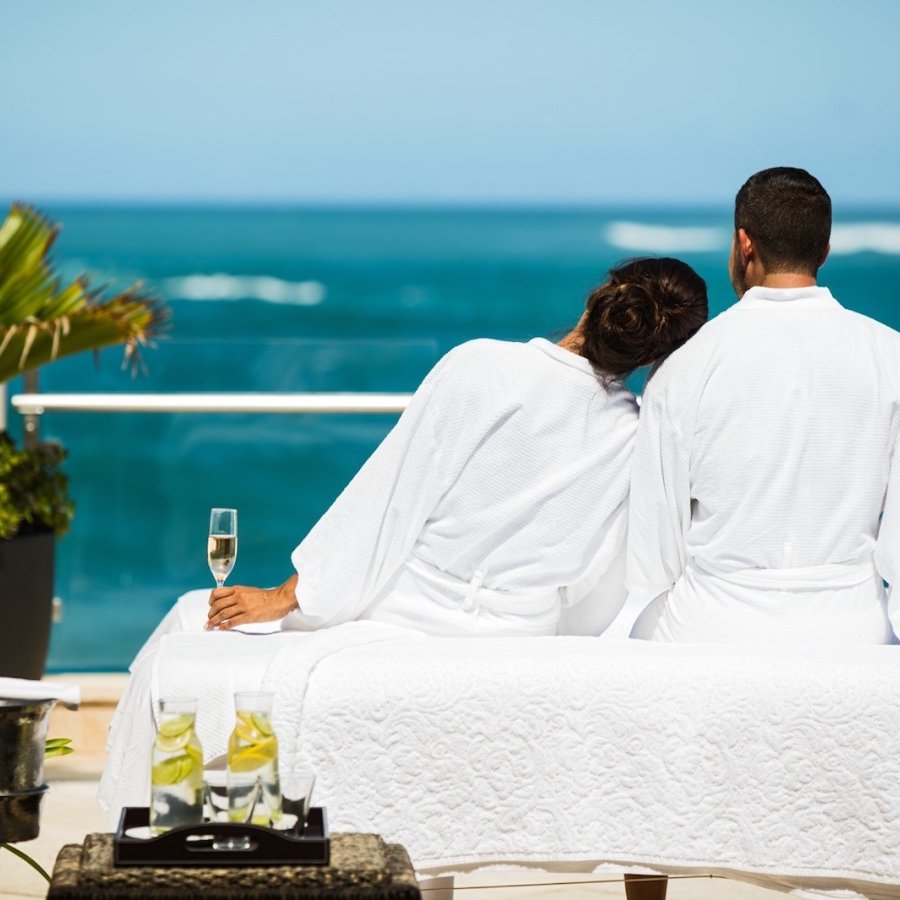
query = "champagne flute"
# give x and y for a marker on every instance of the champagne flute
(221, 548)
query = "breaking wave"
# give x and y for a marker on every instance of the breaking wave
(866, 237)
(846, 238)
(634, 236)
(245, 287)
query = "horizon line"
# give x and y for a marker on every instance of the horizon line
(399, 205)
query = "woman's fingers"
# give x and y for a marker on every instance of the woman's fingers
(240, 604)
(232, 621)
(220, 620)
(222, 608)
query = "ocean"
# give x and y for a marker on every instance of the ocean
(336, 299)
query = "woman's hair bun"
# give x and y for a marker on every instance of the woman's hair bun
(646, 309)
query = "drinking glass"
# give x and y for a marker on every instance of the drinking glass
(221, 549)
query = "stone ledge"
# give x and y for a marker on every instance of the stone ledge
(87, 726)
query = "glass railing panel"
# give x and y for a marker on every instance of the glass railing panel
(143, 483)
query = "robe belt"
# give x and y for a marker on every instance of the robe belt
(807, 578)
(473, 595)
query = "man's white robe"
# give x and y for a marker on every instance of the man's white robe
(765, 502)
(497, 505)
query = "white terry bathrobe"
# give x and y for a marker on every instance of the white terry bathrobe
(497, 505)
(765, 497)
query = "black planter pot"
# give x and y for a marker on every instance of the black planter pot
(26, 604)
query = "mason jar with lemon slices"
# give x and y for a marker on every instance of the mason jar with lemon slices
(176, 775)
(254, 789)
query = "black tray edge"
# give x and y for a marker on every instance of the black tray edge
(311, 847)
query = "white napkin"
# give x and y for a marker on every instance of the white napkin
(23, 689)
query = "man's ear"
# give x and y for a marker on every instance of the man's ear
(825, 256)
(745, 246)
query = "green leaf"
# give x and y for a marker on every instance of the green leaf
(57, 747)
(42, 320)
(34, 492)
(30, 860)
(59, 751)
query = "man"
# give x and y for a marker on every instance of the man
(763, 504)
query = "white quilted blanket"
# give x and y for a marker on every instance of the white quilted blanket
(778, 763)
(558, 748)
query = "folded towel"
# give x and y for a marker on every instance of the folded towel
(24, 689)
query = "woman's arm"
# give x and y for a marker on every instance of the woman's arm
(348, 558)
(353, 550)
(240, 605)
(659, 512)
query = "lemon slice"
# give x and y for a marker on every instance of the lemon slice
(196, 756)
(171, 744)
(172, 771)
(262, 723)
(245, 727)
(175, 726)
(174, 734)
(252, 757)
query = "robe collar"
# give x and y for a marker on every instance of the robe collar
(811, 297)
(562, 355)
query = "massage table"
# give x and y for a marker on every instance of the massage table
(778, 766)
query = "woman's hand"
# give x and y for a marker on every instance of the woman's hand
(240, 605)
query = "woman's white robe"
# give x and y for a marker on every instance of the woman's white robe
(762, 467)
(497, 504)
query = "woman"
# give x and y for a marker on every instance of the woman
(497, 505)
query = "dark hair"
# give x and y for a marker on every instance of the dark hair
(787, 213)
(647, 309)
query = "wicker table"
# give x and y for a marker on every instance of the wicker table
(363, 867)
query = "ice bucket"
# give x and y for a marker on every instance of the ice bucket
(23, 733)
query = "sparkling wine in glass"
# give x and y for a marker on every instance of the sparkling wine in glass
(221, 549)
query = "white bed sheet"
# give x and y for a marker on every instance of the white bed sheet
(208, 666)
(772, 764)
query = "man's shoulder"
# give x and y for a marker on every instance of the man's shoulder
(692, 357)
(861, 334)
(877, 328)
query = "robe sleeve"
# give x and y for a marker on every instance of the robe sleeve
(357, 546)
(590, 605)
(887, 545)
(660, 505)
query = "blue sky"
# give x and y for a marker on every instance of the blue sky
(469, 101)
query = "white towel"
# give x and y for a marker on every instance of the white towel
(24, 689)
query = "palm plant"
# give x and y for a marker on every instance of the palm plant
(41, 320)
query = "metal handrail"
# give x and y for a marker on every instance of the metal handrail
(37, 404)
(32, 406)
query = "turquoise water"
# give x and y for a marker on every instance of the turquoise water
(319, 300)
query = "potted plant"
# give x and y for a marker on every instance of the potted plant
(41, 320)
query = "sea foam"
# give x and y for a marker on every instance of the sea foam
(846, 238)
(866, 237)
(636, 236)
(245, 287)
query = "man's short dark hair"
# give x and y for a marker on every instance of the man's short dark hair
(787, 214)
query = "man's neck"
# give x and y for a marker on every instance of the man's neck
(785, 280)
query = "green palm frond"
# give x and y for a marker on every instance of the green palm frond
(42, 320)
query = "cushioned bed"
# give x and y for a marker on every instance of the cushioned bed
(779, 766)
